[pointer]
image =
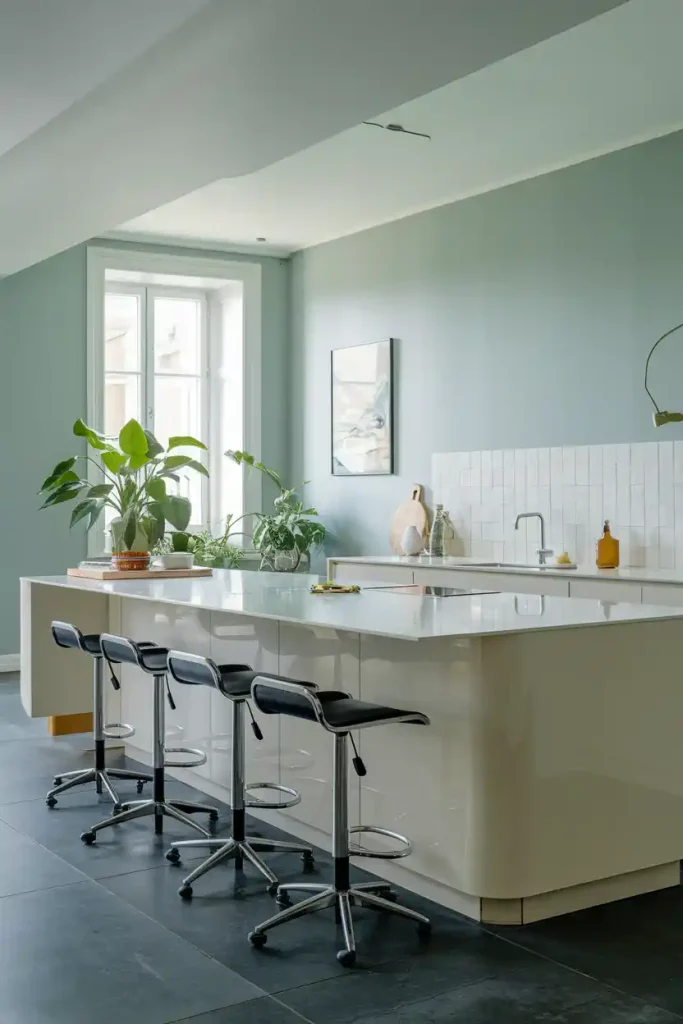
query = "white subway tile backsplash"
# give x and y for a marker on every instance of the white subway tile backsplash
(638, 487)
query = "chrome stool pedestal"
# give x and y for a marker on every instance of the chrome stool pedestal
(234, 682)
(152, 660)
(67, 635)
(337, 713)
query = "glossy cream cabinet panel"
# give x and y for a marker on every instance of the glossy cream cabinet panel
(180, 629)
(238, 641)
(329, 659)
(420, 779)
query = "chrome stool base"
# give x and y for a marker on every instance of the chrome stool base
(101, 777)
(178, 809)
(240, 850)
(366, 894)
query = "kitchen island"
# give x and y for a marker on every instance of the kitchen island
(551, 777)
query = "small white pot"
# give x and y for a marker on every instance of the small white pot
(176, 560)
(412, 541)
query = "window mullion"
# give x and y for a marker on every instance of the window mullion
(148, 362)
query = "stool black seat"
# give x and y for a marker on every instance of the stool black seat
(234, 682)
(66, 635)
(152, 659)
(338, 713)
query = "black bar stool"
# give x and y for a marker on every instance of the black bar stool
(67, 635)
(234, 682)
(338, 713)
(152, 660)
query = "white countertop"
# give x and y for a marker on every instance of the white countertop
(629, 574)
(287, 598)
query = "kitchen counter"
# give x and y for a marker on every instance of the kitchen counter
(549, 779)
(376, 610)
(631, 574)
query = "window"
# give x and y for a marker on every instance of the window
(177, 347)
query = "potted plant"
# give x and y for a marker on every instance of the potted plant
(285, 536)
(135, 476)
(180, 555)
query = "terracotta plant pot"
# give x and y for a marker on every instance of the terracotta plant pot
(130, 561)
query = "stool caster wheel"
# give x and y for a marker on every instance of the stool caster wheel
(258, 939)
(391, 896)
(308, 860)
(185, 892)
(213, 816)
(346, 957)
(88, 838)
(139, 785)
(117, 808)
(272, 888)
(283, 899)
(57, 780)
(51, 802)
(173, 856)
(424, 930)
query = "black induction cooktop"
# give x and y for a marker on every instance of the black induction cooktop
(415, 590)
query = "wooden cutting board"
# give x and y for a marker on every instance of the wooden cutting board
(410, 512)
(106, 573)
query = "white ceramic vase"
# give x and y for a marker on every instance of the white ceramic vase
(412, 541)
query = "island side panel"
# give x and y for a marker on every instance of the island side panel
(55, 681)
(580, 758)
(329, 658)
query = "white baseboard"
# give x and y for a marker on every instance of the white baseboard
(9, 662)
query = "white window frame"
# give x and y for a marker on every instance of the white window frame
(98, 261)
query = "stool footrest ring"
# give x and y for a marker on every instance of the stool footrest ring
(405, 845)
(118, 731)
(196, 758)
(268, 805)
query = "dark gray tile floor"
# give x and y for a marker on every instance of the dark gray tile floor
(99, 933)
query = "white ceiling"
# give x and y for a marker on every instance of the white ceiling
(54, 52)
(601, 86)
(238, 86)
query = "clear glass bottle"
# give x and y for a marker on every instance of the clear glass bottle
(438, 533)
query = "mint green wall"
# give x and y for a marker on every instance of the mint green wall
(523, 318)
(43, 390)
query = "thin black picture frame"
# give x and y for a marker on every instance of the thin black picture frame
(392, 460)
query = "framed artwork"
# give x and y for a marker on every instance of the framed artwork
(362, 410)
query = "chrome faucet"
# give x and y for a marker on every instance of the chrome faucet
(543, 551)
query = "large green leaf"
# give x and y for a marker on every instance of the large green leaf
(64, 493)
(156, 488)
(198, 467)
(176, 461)
(132, 440)
(93, 437)
(61, 467)
(154, 529)
(66, 478)
(153, 446)
(136, 462)
(114, 461)
(184, 440)
(130, 528)
(177, 511)
(83, 509)
(100, 490)
(95, 513)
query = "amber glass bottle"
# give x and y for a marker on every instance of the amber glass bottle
(607, 550)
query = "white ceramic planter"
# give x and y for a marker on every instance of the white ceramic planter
(176, 560)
